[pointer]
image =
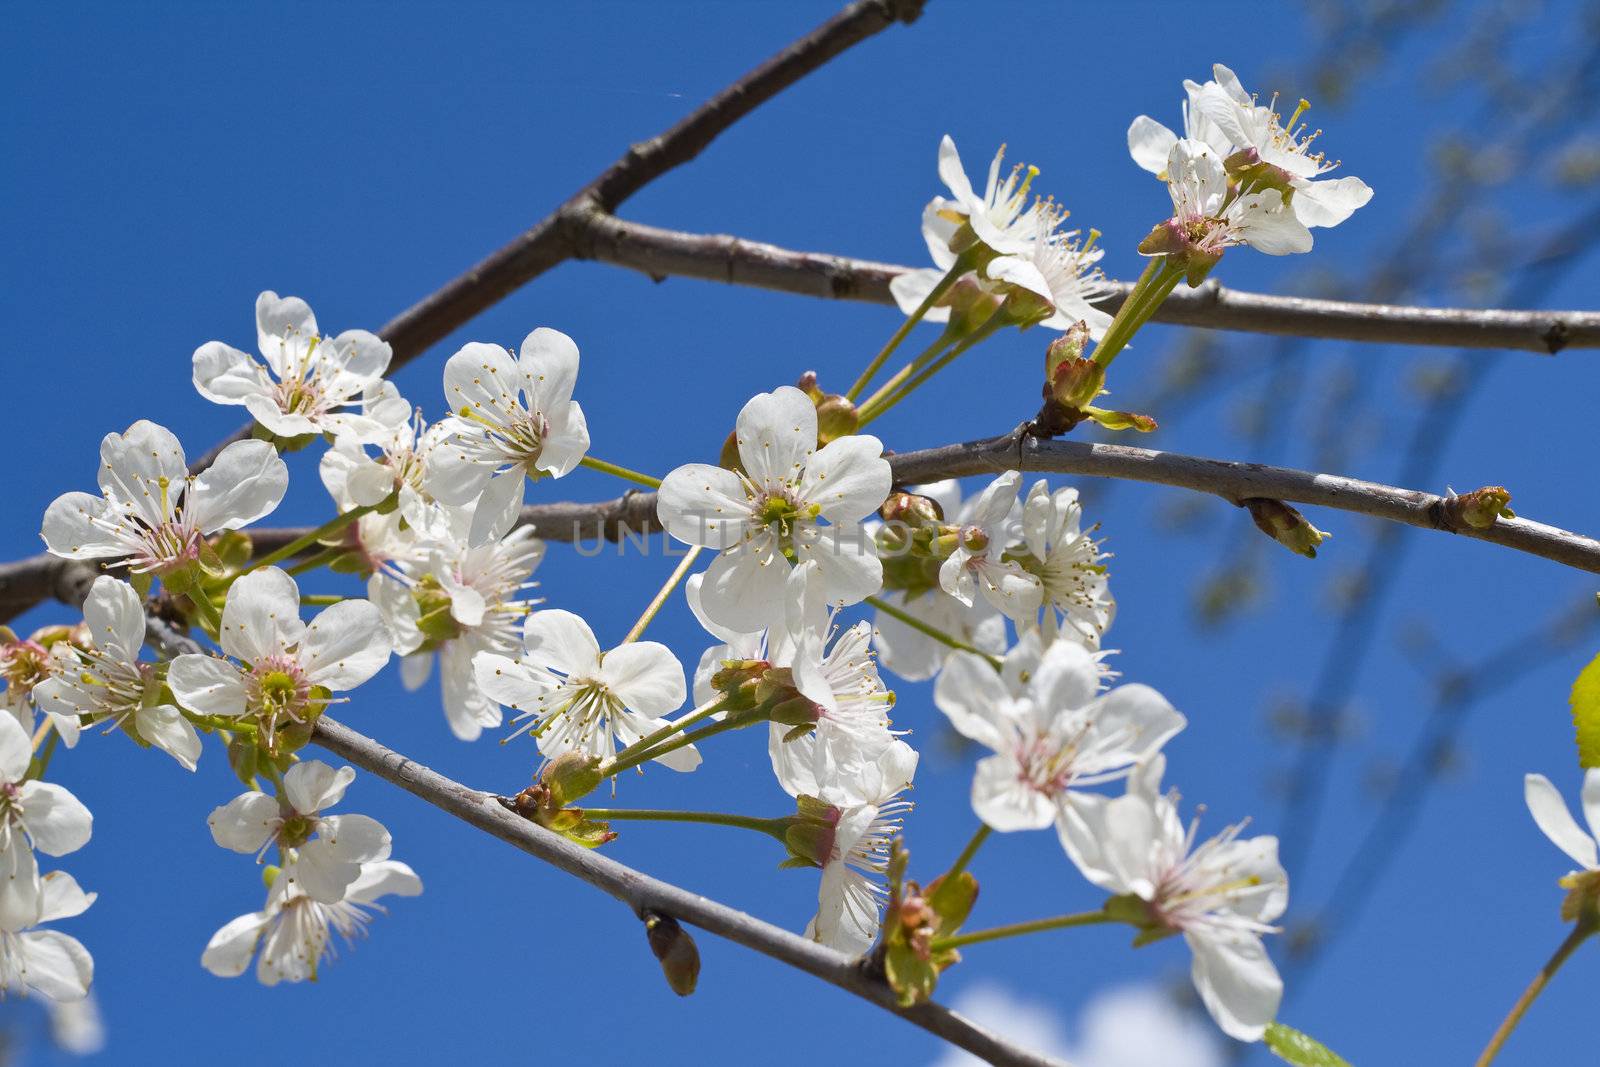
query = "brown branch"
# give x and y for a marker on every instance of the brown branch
(642, 893)
(550, 241)
(25, 582)
(724, 258)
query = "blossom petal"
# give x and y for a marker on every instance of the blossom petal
(75, 527)
(1004, 800)
(261, 616)
(646, 676)
(1237, 981)
(384, 878)
(970, 694)
(1268, 226)
(484, 380)
(345, 645)
(561, 641)
(246, 482)
(414, 670)
(115, 616)
(1066, 679)
(56, 965)
(776, 432)
(549, 364)
(1150, 143)
(496, 510)
(1330, 202)
(312, 785)
(225, 375)
(743, 587)
(704, 505)
(134, 463)
(280, 317)
(19, 884)
(519, 686)
(245, 823)
(228, 953)
(847, 478)
(1591, 800)
(1552, 816)
(57, 821)
(566, 443)
(952, 173)
(16, 750)
(165, 727)
(847, 566)
(466, 708)
(207, 685)
(60, 897)
(1139, 718)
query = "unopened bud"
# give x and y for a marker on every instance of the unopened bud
(571, 777)
(1026, 308)
(1076, 383)
(672, 945)
(974, 539)
(1286, 526)
(740, 682)
(836, 418)
(1067, 348)
(911, 510)
(1481, 508)
(1170, 239)
(808, 385)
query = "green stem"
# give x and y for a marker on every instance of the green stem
(681, 741)
(1585, 926)
(962, 265)
(660, 598)
(299, 544)
(982, 333)
(205, 611)
(771, 827)
(321, 599)
(649, 741)
(933, 632)
(1160, 277)
(978, 838)
(41, 762)
(620, 472)
(926, 356)
(996, 933)
(312, 562)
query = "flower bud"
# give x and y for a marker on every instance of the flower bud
(740, 682)
(836, 418)
(911, 510)
(1480, 508)
(1286, 526)
(1068, 348)
(1026, 308)
(974, 539)
(1076, 383)
(808, 385)
(672, 945)
(570, 777)
(1170, 239)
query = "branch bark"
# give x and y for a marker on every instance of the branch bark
(641, 893)
(724, 258)
(25, 582)
(550, 240)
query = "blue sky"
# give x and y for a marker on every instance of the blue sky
(170, 162)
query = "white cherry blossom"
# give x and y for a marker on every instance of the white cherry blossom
(765, 518)
(294, 931)
(458, 600)
(330, 850)
(576, 698)
(1222, 894)
(355, 477)
(1207, 219)
(282, 659)
(1051, 729)
(863, 815)
(33, 815)
(1150, 142)
(304, 382)
(47, 962)
(978, 563)
(999, 218)
(1061, 270)
(154, 516)
(105, 681)
(1067, 562)
(511, 420)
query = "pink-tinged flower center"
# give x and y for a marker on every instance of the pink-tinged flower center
(171, 546)
(297, 396)
(23, 665)
(279, 689)
(1044, 764)
(1198, 891)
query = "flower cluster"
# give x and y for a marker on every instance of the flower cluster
(1002, 598)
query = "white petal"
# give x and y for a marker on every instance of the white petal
(1081, 826)
(414, 670)
(344, 645)
(207, 685)
(1328, 203)
(848, 568)
(246, 482)
(311, 785)
(776, 432)
(57, 821)
(1267, 226)
(19, 884)
(1004, 800)
(1150, 143)
(484, 380)
(56, 965)
(228, 953)
(1237, 981)
(848, 478)
(245, 823)
(952, 173)
(549, 363)
(1012, 591)
(646, 676)
(565, 445)
(1591, 800)
(280, 317)
(74, 527)
(496, 511)
(970, 694)
(225, 375)
(167, 728)
(466, 708)
(1550, 812)
(1139, 718)
(60, 897)
(1066, 679)
(561, 641)
(133, 464)
(16, 750)
(384, 878)
(261, 616)
(703, 505)
(743, 587)
(115, 616)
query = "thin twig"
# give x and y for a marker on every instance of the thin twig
(724, 258)
(550, 240)
(642, 893)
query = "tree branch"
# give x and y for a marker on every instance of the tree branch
(724, 258)
(25, 582)
(640, 893)
(550, 240)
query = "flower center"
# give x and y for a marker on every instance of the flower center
(279, 689)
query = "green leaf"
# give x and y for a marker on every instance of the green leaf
(1586, 713)
(1300, 1049)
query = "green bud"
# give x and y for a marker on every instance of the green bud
(1481, 508)
(672, 945)
(233, 549)
(836, 418)
(910, 509)
(571, 777)
(1286, 526)
(1067, 348)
